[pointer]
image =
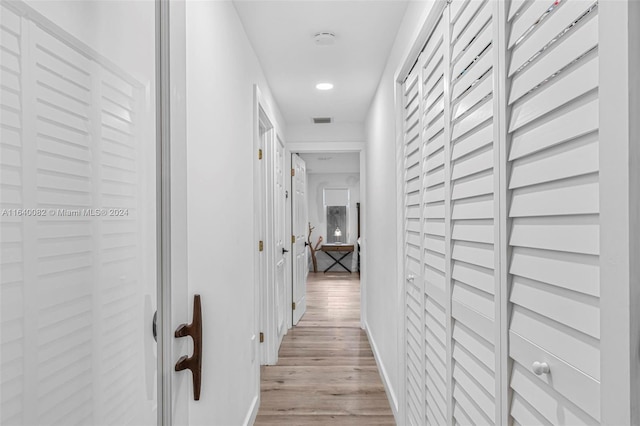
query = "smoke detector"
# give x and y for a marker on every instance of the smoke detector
(324, 38)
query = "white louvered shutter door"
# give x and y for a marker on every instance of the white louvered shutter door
(72, 141)
(433, 182)
(473, 179)
(411, 158)
(11, 197)
(554, 223)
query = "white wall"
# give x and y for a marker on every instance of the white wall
(383, 293)
(221, 70)
(316, 183)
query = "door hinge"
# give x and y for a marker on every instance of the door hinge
(293, 172)
(260, 246)
(293, 305)
(261, 337)
(259, 154)
(293, 239)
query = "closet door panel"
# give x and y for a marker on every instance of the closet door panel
(472, 201)
(434, 229)
(554, 226)
(413, 309)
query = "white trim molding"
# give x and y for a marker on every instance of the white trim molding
(391, 395)
(619, 30)
(250, 418)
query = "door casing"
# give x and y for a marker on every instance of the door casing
(266, 137)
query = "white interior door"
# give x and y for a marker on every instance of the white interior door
(509, 228)
(280, 257)
(78, 267)
(413, 297)
(472, 177)
(554, 214)
(300, 224)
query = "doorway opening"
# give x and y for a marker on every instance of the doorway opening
(332, 229)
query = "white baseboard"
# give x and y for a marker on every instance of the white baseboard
(391, 395)
(250, 418)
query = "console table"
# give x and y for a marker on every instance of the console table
(341, 250)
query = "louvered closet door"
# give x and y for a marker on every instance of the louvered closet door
(411, 158)
(433, 227)
(553, 155)
(78, 269)
(473, 212)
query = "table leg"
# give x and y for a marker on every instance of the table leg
(337, 261)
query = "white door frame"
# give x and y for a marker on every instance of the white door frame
(173, 302)
(619, 92)
(359, 147)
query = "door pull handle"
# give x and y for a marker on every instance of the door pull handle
(194, 362)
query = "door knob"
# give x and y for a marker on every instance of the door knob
(540, 368)
(194, 362)
(284, 250)
(154, 326)
(411, 277)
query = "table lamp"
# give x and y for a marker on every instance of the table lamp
(337, 233)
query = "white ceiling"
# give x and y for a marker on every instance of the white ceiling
(281, 33)
(331, 162)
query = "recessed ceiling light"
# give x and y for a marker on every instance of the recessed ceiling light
(324, 86)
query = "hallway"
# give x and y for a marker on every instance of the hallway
(170, 170)
(326, 373)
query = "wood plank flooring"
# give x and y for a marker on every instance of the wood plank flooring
(326, 373)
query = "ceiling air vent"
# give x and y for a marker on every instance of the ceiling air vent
(322, 120)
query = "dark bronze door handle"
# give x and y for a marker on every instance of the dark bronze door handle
(194, 362)
(284, 250)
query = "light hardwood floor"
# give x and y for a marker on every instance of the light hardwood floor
(326, 374)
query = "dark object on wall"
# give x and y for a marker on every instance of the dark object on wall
(358, 209)
(358, 239)
(194, 362)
